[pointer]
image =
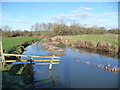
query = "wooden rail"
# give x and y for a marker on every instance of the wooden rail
(47, 63)
(32, 60)
(55, 77)
(52, 58)
(40, 63)
(30, 55)
(45, 82)
(48, 83)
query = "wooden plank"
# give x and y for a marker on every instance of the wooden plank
(2, 56)
(47, 63)
(58, 54)
(32, 60)
(42, 60)
(44, 84)
(45, 79)
(30, 55)
(10, 60)
(50, 66)
(40, 63)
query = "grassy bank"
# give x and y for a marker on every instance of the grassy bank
(105, 43)
(16, 76)
(16, 45)
(108, 38)
(14, 41)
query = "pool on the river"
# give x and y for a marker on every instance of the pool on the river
(73, 72)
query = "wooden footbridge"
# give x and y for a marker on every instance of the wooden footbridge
(52, 59)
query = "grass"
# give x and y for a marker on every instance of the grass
(16, 76)
(107, 38)
(14, 41)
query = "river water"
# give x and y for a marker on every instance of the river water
(77, 69)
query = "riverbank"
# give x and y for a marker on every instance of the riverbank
(16, 45)
(12, 42)
(75, 65)
(17, 76)
(91, 45)
(104, 38)
(53, 48)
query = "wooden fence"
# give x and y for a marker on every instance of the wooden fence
(52, 59)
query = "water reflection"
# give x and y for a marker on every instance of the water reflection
(100, 66)
(77, 69)
(97, 59)
(38, 47)
(51, 77)
(102, 53)
(49, 82)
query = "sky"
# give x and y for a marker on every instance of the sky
(21, 15)
(60, 0)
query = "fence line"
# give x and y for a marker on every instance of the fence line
(30, 55)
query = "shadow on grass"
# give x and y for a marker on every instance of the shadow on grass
(17, 76)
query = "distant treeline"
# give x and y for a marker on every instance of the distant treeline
(53, 29)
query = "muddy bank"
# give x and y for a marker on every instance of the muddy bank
(55, 48)
(104, 47)
(52, 46)
(19, 49)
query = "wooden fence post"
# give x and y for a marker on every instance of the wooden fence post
(2, 56)
(50, 66)
(52, 78)
(31, 59)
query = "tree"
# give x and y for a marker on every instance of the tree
(6, 28)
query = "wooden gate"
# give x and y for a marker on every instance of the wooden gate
(52, 59)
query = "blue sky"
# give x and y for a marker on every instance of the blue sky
(21, 15)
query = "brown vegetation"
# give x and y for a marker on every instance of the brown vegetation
(53, 48)
(88, 45)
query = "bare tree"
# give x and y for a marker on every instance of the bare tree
(6, 28)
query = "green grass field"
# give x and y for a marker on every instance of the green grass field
(14, 41)
(108, 38)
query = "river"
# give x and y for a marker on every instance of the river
(77, 69)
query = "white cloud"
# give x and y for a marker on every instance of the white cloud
(84, 16)
(81, 9)
(111, 14)
(18, 20)
(101, 20)
(87, 8)
(78, 14)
